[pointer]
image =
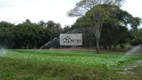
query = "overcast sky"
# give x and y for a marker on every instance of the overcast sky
(16, 11)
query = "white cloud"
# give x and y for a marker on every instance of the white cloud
(37, 10)
(133, 7)
(16, 11)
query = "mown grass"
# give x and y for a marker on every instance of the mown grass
(60, 65)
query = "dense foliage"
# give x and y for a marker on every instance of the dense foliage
(28, 34)
(111, 32)
(34, 35)
(114, 30)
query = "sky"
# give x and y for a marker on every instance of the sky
(17, 11)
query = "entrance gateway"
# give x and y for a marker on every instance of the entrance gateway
(71, 39)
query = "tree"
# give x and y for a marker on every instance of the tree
(137, 37)
(116, 32)
(66, 29)
(6, 24)
(27, 34)
(135, 22)
(106, 16)
(97, 15)
(42, 23)
(85, 5)
(53, 29)
(7, 34)
(30, 34)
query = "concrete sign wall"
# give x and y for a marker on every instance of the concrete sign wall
(70, 39)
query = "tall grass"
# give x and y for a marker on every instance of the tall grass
(19, 69)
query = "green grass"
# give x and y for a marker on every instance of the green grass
(60, 65)
(84, 58)
(19, 69)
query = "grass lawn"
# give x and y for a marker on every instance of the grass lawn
(61, 65)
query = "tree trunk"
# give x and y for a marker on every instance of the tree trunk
(110, 47)
(35, 44)
(27, 47)
(51, 41)
(114, 46)
(97, 45)
(105, 46)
